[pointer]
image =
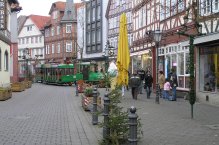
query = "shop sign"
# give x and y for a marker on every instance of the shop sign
(3, 7)
(209, 50)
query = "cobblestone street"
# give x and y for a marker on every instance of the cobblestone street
(46, 115)
(52, 115)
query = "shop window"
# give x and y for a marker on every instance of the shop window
(209, 72)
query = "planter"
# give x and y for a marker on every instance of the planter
(87, 102)
(5, 93)
(27, 84)
(18, 87)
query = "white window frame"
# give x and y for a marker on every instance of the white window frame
(53, 48)
(68, 47)
(68, 28)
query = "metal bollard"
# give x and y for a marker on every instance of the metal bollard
(106, 130)
(157, 94)
(133, 126)
(94, 110)
(76, 89)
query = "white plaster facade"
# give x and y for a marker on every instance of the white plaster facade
(31, 38)
(5, 52)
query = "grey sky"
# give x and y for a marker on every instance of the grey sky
(37, 7)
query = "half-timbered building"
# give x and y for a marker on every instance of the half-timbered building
(207, 46)
(114, 9)
(145, 20)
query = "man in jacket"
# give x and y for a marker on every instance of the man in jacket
(141, 74)
(173, 82)
(134, 83)
(148, 84)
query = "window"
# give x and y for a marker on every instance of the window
(58, 30)
(93, 37)
(181, 5)
(52, 31)
(98, 12)
(88, 16)
(88, 38)
(29, 28)
(93, 14)
(216, 6)
(208, 71)
(47, 49)
(68, 28)
(36, 39)
(0, 59)
(53, 48)
(47, 31)
(98, 35)
(31, 39)
(58, 48)
(40, 39)
(27, 40)
(68, 46)
(6, 61)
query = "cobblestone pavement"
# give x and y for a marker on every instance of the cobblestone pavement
(46, 115)
(170, 123)
(52, 115)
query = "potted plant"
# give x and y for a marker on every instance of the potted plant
(88, 91)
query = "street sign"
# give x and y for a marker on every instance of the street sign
(3, 8)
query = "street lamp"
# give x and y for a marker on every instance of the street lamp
(192, 94)
(157, 39)
(25, 57)
(109, 53)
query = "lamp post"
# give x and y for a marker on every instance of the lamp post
(25, 58)
(109, 53)
(192, 93)
(157, 39)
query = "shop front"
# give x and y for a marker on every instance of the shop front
(142, 59)
(209, 70)
(175, 57)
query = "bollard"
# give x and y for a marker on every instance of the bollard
(76, 88)
(133, 126)
(106, 130)
(157, 94)
(207, 98)
(94, 110)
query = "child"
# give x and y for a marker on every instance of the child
(167, 88)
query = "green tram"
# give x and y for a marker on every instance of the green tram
(68, 74)
(88, 72)
(57, 74)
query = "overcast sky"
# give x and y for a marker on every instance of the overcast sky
(37, 7)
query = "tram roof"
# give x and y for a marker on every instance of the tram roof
(66, 66)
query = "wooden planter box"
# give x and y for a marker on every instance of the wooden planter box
(18, 87)
(5, 94)
(27, 84)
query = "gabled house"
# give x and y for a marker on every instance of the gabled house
(61, 33)
(31, 44)
(7, 7)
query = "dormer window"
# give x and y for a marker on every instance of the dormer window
(69, 12)
(29, 28)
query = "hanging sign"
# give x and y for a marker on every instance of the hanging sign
(3, 7)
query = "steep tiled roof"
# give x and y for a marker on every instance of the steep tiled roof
(20, 22)
(39, 21)
(58, 6)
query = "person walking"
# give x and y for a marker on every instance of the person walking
(134, 83)
(141, 74)
(173, 82)
(167, 88)
(161, 81)
(148, 84)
